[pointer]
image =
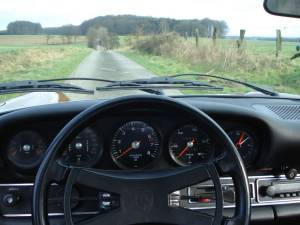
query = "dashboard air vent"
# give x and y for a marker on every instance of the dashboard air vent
(286, 112)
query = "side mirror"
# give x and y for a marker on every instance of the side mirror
(289, 8)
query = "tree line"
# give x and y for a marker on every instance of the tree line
(124, 25)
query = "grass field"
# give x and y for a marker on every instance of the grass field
(25, 40)
(256, 63)
(24, 59)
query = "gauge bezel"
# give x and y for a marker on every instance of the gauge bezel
(255, 139)
(173, 157)
(26, 167)
(159, 136)
(99, 154)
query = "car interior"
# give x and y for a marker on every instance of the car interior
(152, 159)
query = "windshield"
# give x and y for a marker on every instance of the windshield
(140, 39)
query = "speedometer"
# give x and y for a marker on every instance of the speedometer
(135, 145)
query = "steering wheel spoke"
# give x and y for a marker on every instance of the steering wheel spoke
(58, 172)
(120, 182)
(141, 193)
(176, 216)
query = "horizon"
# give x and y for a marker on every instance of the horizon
(237, 15)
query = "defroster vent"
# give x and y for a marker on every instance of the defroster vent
(286, 112)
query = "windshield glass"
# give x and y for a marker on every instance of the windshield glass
(139, 39)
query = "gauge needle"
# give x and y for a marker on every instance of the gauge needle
(187, 147)
(125, 152)
(244, 141)
(134, 145)
(240, 141)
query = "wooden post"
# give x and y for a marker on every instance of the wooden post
(185, 35)
(278, 42)
(197, 37)
(214, 35)
(242, 37)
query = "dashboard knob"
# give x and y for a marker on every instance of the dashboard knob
(290, 173)
(11, 199)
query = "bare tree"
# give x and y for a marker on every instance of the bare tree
(100, 37)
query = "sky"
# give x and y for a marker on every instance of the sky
(239, 14)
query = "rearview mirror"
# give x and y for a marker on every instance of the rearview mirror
(290, 8)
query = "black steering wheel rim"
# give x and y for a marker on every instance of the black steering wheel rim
(232, 164)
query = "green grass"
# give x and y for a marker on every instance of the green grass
(39, 62)
(25, 40)
(280, 74)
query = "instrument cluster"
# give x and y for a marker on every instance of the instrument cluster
(134, 144)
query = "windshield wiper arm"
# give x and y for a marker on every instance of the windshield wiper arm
(40, 86)
(151, 91)
(167, 80)
(155, 84)
(246, 84)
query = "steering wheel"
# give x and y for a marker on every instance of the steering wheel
(143, 195)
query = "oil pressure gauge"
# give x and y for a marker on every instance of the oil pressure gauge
(189, 145)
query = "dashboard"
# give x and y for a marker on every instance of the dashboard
(267, 139)
(129, 142)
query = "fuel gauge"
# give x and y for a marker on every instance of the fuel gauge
(26, 150)
(246, 145)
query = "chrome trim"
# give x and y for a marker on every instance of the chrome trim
(256, 193)
(17, 185)
(50, 214)
(229, 184)
(252, 181)
(253, 205)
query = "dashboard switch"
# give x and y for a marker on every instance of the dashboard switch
(11, 199)
(290, 173)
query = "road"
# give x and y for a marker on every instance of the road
(109, 65)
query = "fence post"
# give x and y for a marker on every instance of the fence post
(214, 35)
(241, 39)
(197, 37)
(278, 42)
(185, 35)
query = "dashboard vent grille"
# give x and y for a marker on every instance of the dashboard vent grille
(287, 112)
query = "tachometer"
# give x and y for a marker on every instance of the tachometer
(189, 145)
(85, 149)
(26, 150)
(135, 145)
(245, 144)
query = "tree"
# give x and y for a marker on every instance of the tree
(101, 37)
(24, 27)
(92, 37)
(164, 26)
(125, 25)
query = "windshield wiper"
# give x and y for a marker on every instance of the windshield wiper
(153, 85)
(252, 86)
(156, 84)
(40, 86)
